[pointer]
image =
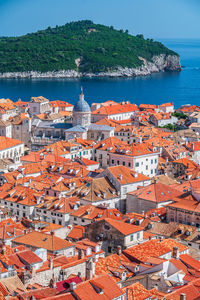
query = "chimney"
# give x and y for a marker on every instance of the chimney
(80, 254)
(72, 286)
(182, 296)
(175, 252)
(90, 269)
(192, 146)
(119, 250)
(3, 248)
(96, 258)
(51, 263)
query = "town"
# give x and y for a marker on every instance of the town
(100, 201)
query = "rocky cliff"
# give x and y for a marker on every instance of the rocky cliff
(159, 63)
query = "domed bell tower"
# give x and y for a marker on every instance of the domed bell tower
(81, 112)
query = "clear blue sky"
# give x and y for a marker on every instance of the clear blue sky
(153, 18)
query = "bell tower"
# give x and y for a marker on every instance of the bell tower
(81, 112)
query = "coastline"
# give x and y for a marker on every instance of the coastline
(159, 63)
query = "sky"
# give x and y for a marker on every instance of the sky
(153, 18)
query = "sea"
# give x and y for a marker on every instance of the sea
(177, 87)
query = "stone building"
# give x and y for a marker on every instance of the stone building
(114, 233)
(38, 105)
(152, 196)
(5, 129)
(21, 128)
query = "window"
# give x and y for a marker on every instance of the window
(129, 164)
(83, 220)
(138, 235)
(109, 249)
(75, 218)
(106, 227)
(152, 161)
(137, 164)
(124, 163)
(24, 207)
(112, 161)
(60, 222)
(118, 162)
(146, 167)
(155, 161)
(24, 215)
(151, 171)
(131, 237)
(53, 221)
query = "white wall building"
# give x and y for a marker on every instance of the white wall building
(38, 105)
(10, 148)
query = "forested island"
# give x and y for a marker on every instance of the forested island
(83, 49)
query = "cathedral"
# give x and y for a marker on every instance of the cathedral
(81, 112)
(82, 126)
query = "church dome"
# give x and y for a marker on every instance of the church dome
(81, 105)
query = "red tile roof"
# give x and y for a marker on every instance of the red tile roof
(157, 192)
(6, 143)
(77, 232)
(190, 262)
(137, 291)
(115, 109)
(153, 248)
(124, 228)
(42, 240)
(125, 175)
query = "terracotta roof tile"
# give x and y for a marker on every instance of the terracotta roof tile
(42, 240)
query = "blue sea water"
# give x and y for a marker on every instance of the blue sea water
(180, 88)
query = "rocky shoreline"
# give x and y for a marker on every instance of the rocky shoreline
(159, 63)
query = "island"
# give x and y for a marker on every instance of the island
(83, 49)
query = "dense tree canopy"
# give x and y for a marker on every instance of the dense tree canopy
(99, 48)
